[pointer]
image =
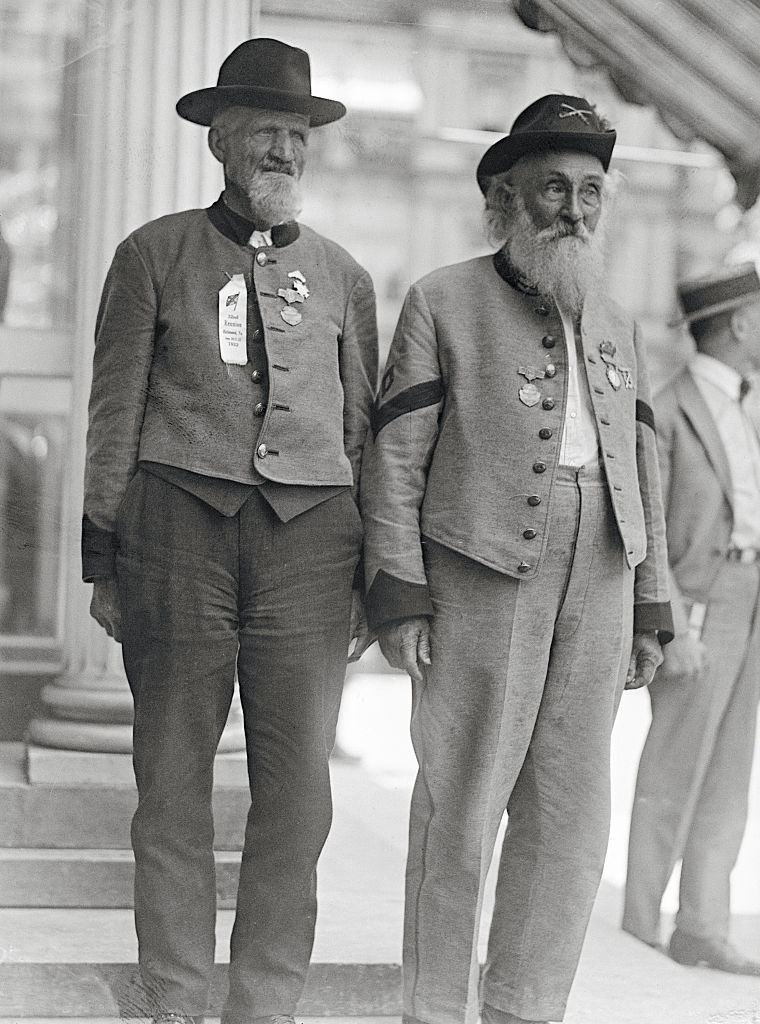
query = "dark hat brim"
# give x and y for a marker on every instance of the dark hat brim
(202, 106)
(507, 151)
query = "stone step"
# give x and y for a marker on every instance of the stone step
(95, 816)
(88, 878)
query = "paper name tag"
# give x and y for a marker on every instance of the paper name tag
(233, 314)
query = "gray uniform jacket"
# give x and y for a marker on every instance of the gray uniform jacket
(458, 457)
(161, 393)
(697, 492)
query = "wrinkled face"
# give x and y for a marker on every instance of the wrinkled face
(563, 192)
(263, 141)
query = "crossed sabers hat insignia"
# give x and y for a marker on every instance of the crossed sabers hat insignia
(565, 110)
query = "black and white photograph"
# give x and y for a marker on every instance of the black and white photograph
(379, 511)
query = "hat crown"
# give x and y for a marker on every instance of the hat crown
(267, 64)
(720, 291)
(559, 113)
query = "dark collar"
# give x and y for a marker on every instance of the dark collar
(506, 270)
(239, 229)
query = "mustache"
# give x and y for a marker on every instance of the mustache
(271, 165)
(564, 229)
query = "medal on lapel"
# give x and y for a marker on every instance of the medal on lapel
(296, 292)
(613, 376)
(529, 394)
(627, 376)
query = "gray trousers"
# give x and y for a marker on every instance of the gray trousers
(693, 781)
(515, 714)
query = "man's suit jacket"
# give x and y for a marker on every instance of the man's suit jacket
(161, 393)
(697, 492)
(457, 455)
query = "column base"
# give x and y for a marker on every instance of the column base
(48, 766)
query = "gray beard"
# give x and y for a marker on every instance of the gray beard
(274, 197)
(563, 266)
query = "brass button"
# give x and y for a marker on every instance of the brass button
(523, 567)
(544, 433)
(533, 500)
(548, 341)
(256, 376)
(261, 451)
(551, 370)
(529, 534)
(548, 403)
(259, 409)
(539, 467)
(261, 258)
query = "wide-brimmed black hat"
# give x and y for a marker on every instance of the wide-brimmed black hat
(554, 122)
(264, 73)
(718, 292)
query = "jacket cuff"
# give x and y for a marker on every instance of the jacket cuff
(98, 551)
(654, 616)
(390, 599)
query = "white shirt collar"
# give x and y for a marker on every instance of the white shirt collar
(717, 374)
(260, 238)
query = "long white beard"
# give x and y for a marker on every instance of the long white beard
(274, 197)
(562, 265)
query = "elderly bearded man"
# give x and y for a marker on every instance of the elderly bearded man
(235, 366)
(515, 555)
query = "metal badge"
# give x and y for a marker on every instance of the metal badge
(290, 295)
(529, 395)
(531, 373)
(613, 376)
(291, 316)
(627, 376)
(607, 351)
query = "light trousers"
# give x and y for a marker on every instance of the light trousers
(515, 714)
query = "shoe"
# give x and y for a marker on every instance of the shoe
(490, 1015)
(720, 956)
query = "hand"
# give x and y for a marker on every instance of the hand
(406, 645)
(646, 655)
(683, 657)
(359, 628)
(105, 606)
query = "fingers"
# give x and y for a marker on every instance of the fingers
(423, 645)
(630, 675)
(646, 668)
(363, 641)
(408, 653)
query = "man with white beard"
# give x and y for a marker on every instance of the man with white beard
(516, 569)
(234, 372)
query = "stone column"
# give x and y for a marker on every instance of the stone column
(134, 159)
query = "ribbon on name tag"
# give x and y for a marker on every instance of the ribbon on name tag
(233, 316)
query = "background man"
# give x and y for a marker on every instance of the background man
(235, 365)
(513, 518)
(691, 792)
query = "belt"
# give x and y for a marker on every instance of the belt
(743, 555)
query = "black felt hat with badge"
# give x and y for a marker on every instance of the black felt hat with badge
(263, 73)
(551, 123)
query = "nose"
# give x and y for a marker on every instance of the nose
(282, 146)
(572, 209)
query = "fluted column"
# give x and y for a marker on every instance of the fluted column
(135, 159)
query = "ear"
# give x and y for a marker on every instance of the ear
(741, 325)
(216, 143)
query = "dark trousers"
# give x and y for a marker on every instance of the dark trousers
(202, 595)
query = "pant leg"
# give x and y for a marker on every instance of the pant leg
(295, 610)
(686, 724)
(558, 814)
(473, 719)
(179, 595)
(720, 812)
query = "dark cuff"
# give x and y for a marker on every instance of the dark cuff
(655, 616)
(390, 599)
(98, 551)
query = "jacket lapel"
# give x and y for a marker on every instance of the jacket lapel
(696, 411)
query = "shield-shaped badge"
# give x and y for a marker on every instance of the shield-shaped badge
(291, 316)
(529, 395)
(613, 376)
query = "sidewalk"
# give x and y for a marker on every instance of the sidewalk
(358, 942)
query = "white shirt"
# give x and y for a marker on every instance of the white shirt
(260, 238)
(580, 442)
(719, 385)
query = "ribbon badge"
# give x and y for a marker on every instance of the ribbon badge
(617, 375)
(529, 394)
(295, 292)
